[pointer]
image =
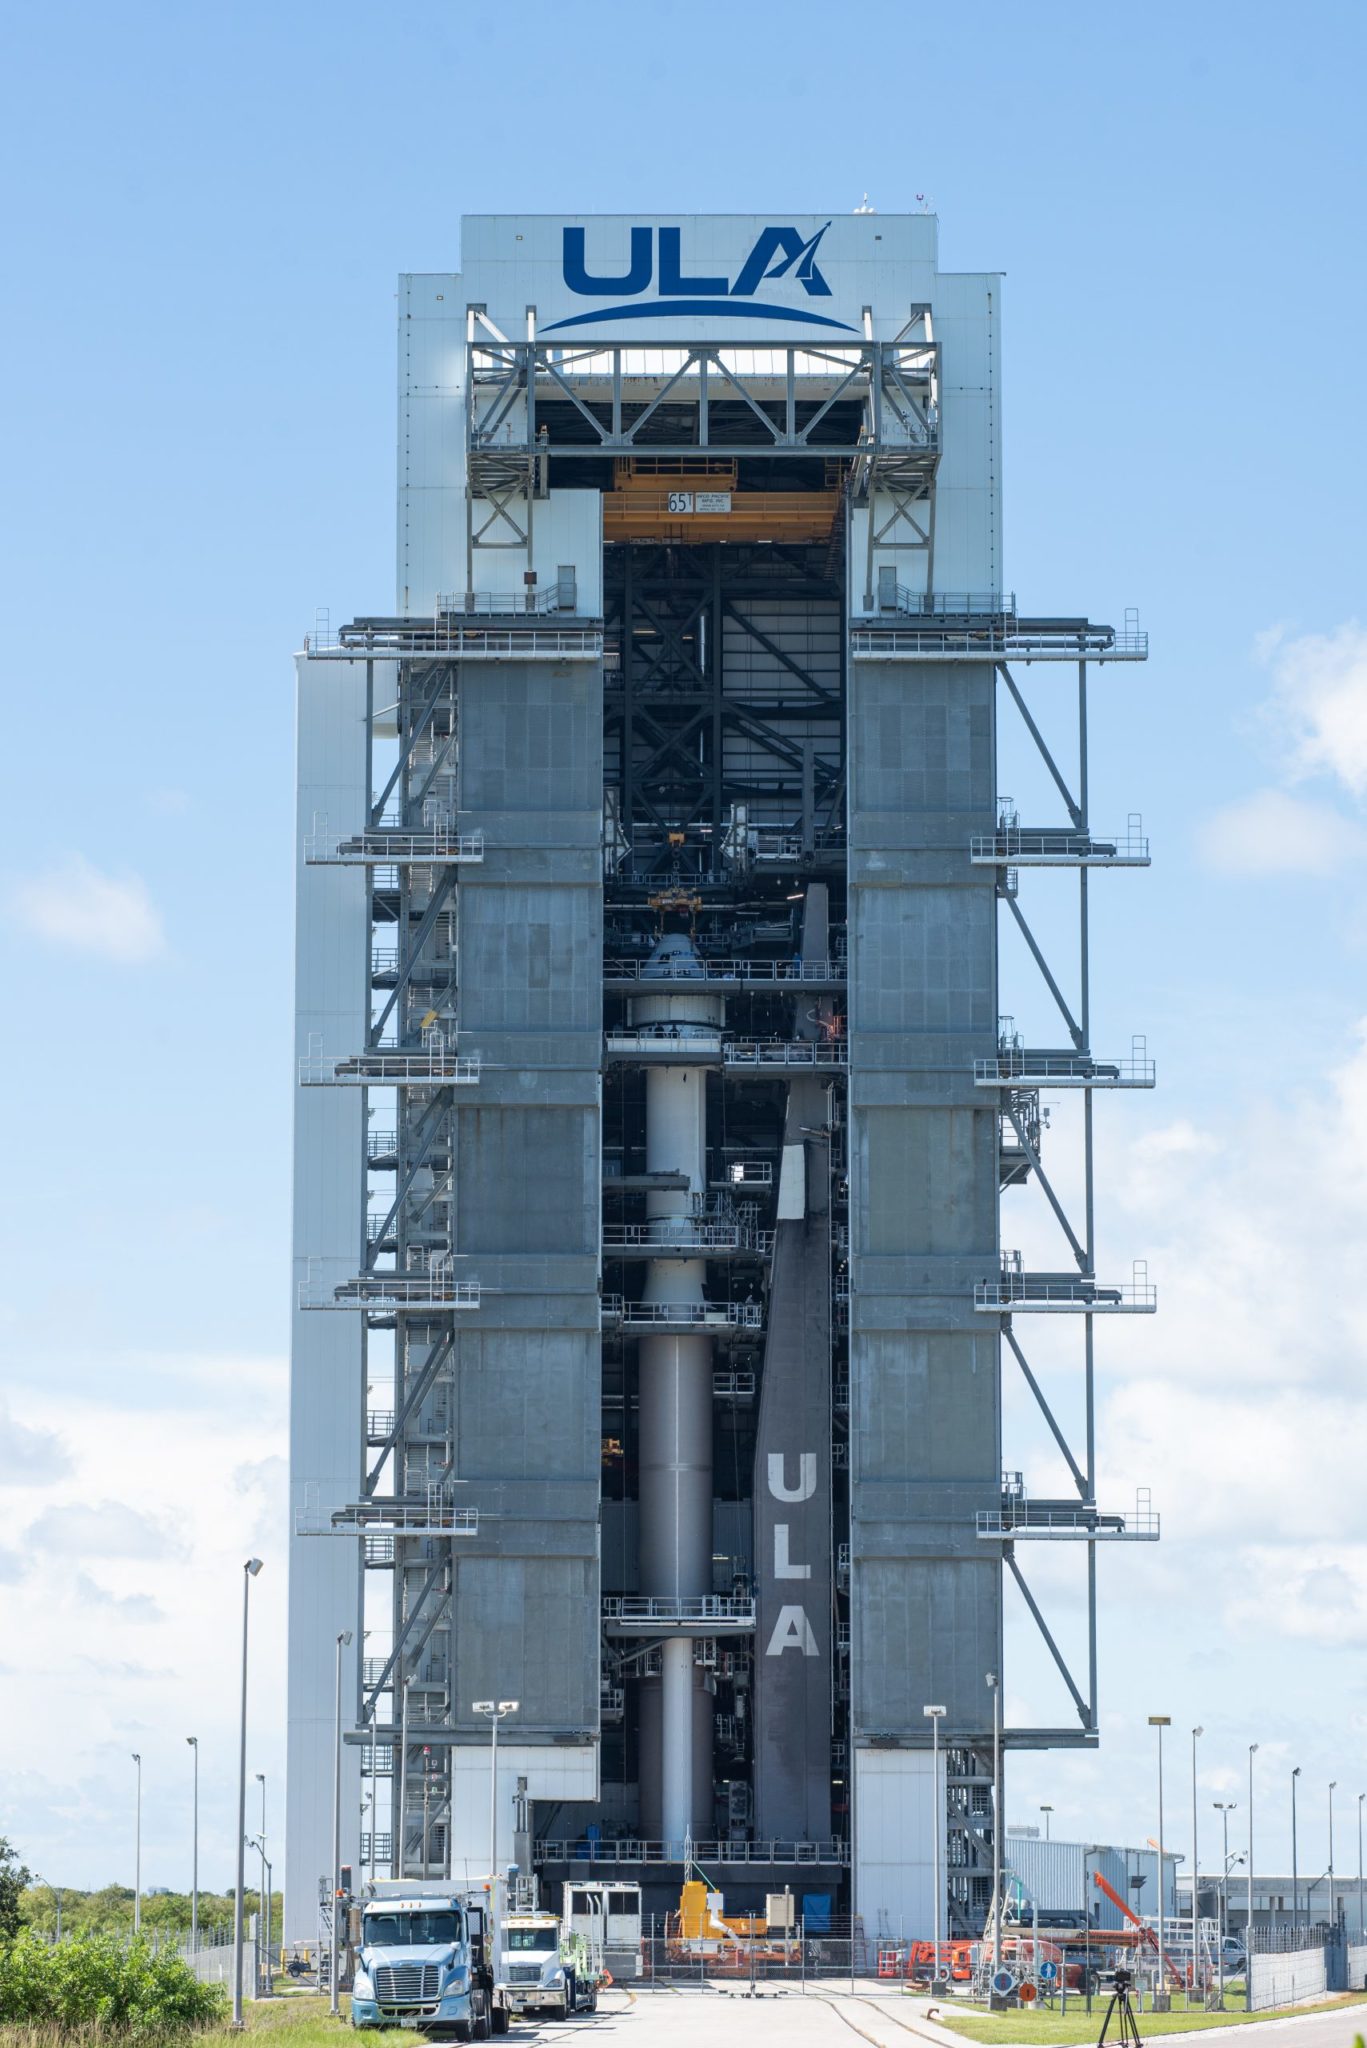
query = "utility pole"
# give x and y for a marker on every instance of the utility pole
(137, 1850)
(193, 1741)
(495, 1710)
(249, 1572)
(1248, 1931)
(1160, 1722)
(1046, 1811)
(1224, 1807)
(1295, 1870)
(997, 1820)
(1195, 1874)
(1333, 1916)
(264, 1912)
(343, 1639)
(935, 1715)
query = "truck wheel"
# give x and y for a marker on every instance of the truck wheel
(502, 2019)
(481, 2024)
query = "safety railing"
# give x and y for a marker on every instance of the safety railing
(699, 1315)
(712, 1611)
(988, 640)
(1022, 848)
(381, 1069)
(1023, 1067)
(782, 1052)
(1016, 1292)
(437, 847)
(431, 1517)
(893, 597)
(676, 1236)
(749, 1173)
(733, 1386)
(1046, 1521)
(532, 602)
(392, 1291)
(664, 1042)
(759, 972)
(706, 1854)
(450, 638)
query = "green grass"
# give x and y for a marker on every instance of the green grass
(295, 2019)
(1079, 2025)
(299, 2019)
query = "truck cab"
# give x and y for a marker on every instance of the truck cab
(423, 1962)
(543, 1969)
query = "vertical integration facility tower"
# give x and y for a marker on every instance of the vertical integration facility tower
(655, 1102)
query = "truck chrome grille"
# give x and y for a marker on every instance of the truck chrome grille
(407, 1983)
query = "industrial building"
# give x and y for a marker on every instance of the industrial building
(657, 1108)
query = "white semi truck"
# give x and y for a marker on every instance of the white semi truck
(544, 1969)
(424, 1961)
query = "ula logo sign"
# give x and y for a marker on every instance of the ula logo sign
(779, 255)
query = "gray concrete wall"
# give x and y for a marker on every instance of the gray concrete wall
(924, 1381)
(332, 936)
(526, 1212)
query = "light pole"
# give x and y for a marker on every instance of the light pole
(935, 1715)
(264, 1912)
(343, 1639)
(1046, 1811)
(1224, 1807)
(996, 1821)
(495, 1710)
(400, 1840)
(1361, 1797)
(1248, 1931)
(1195, 1871)
(249, 1572)
(1160, 1722)
(1295, 1871)
(1333, 1917)
(137, 1848)
(193, 1741)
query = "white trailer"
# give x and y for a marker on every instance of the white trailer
(608, 1918)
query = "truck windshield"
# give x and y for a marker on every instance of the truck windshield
(528, 1937)
(412, 1930)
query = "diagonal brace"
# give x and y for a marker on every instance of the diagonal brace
(1074, 810)
(1046, 1411)
(424, 933)
(1054, 1203)
(1084, 1712)
(1043, 965)
(437, 1358)
(427, 1130)
(436, 1573)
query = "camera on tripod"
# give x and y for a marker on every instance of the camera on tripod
(1122, 1979)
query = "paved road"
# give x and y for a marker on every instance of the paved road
(830, 2018)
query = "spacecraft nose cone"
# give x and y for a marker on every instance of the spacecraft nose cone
(674, 958)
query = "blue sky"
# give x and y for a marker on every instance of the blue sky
(208, 210)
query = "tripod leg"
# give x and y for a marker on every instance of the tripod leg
(1100, 2039)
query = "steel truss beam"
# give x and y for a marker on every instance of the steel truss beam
(672, 712)
(1083, 1246)
(787, 398)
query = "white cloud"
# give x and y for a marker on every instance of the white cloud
(1320, 700)
(1272, 833)
(112, 1529)
(30, 1457)
(147, 1591)
(76, 907)
(132, 1607)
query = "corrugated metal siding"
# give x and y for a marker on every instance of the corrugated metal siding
(1053, 1876)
